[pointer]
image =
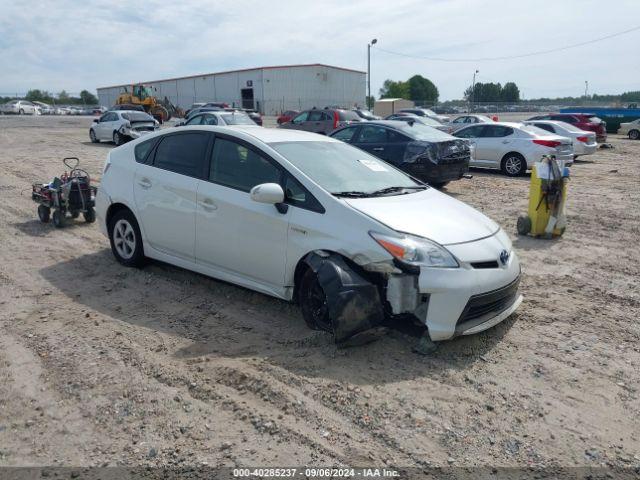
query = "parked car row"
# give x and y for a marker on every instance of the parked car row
(25, 107)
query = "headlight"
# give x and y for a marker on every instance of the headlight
(416, 250)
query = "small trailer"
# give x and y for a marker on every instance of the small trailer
(67, 196)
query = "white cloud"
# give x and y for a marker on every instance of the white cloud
(73, 44)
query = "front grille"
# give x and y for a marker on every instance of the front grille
(495, 301)
(480, 265)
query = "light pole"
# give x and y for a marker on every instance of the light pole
(373, 42)
(473, 90)
(586, 88)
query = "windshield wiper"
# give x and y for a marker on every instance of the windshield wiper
(382, 191)
(351, 193)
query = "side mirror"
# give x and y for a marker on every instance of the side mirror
(267, 193)
(96, 120)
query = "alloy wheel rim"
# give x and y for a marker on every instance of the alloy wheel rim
(124, 239)
(512, 165)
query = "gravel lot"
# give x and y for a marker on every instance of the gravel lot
(103, 365)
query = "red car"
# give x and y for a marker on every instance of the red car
(287, 116)
(584, 121)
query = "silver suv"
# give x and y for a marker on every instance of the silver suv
(322, 121)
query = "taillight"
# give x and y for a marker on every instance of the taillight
(548, 143)
(336, 120)
(583, 139)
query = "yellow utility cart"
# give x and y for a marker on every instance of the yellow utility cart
(547, 196)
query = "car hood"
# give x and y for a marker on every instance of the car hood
(429, 214)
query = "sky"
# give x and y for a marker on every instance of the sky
(78, 44)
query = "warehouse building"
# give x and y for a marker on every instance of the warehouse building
(270, 90)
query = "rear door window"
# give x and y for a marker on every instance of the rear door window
(183, 153)
(544, 126)
(301, 118)
(346, 134)
(142, 150)
(237, 166)
(470, 132)
(315, 116)
(197, 120)
(372, 134)
(496, 131)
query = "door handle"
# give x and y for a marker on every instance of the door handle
(505, 141)
(208, 205)
(378, 149)
(145, 183)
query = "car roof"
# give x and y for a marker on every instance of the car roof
(266, 135)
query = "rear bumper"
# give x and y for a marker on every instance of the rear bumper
(584, 149)
(437, 173)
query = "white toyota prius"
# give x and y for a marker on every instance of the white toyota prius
(307, 218)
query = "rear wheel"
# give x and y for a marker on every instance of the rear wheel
(125, 239)
(524, 225)
(89, 215)
(438, 184)
(513, 165)
(634, 134)
(21, 112)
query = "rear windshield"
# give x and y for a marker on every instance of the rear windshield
(418, 131)
(430, 121)
(535, 130)
(137, 117)
(348, 115)
(236, 119)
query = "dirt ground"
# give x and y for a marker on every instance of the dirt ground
(103, 365)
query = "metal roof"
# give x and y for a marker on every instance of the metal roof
(238, 71)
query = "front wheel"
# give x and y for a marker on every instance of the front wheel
(514, 165)
(58, 219)
(118, 138)
(634, 134)
(21, 112)
(438, 185)
(89, 215)
(44, 213)
(125, 239)
(92, 136)
(313, 303)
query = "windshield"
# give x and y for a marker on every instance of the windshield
(236, 119)
(137, 117)
(338, 167)
(419, 131)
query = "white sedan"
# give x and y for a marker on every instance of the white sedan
(466, 120)
(632, 129)
(120, 126)
(308, 218)
(584, 143)
(513, 147)
(19, 107)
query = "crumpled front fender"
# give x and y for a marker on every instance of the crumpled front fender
(353, 301)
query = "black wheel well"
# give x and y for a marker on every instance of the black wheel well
(634, 130)
(115, 208)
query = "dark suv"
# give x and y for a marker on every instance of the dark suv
(322, 121)
(584, 121)
(423, 152)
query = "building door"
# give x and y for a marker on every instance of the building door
(247, 97)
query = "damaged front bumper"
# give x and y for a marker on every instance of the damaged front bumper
(134, 132)
(479, 294)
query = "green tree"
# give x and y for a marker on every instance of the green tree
(63, 97)
(393, 89)
(510, 93)
(422, 90)
(88, 98)
(38, 96)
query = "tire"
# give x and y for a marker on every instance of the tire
(513, 165)
(313, 303)
(75, 214)
(89, 215)
(44, 213)
(438, 185)
(524, 225)
(634, 134)
(118, 139)
(59, 219)
(125, 239)
(92, 136)
(21, 112)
